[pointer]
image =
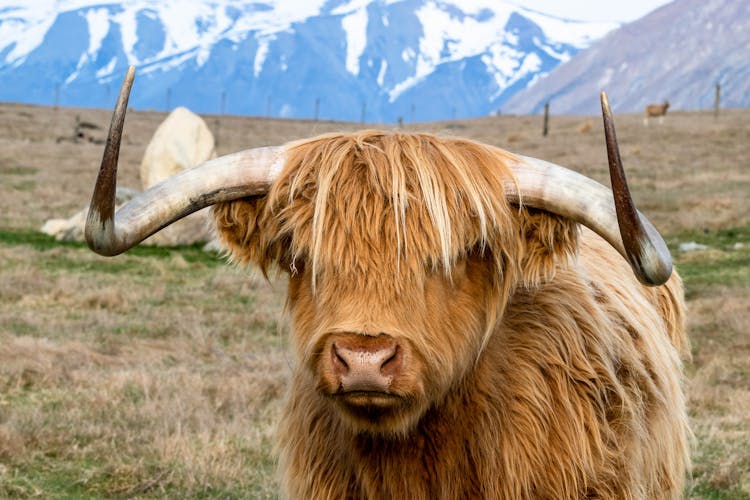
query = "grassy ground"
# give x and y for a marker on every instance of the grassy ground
(157, 373)
(161, 373)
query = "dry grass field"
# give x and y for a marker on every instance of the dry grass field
(160, 373)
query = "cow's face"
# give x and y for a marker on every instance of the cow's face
(402, 253)
(383, 352)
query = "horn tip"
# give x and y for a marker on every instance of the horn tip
(657, 276)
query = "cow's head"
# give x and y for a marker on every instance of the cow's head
(401, 249)
(401, 256)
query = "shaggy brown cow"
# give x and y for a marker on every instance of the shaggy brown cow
(457, 334)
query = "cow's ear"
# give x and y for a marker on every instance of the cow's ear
(548, 243)
(242, 227)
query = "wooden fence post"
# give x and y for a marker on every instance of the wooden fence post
(717, 100)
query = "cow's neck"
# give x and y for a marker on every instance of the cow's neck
(434, 460)
(441, 442)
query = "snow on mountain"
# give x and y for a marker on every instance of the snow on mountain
(375, 60)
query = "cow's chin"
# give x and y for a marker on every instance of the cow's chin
(377, 412)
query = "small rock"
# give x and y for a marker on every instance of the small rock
(53, 227)
(691, 246)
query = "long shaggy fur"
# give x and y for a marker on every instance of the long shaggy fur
(540, 367)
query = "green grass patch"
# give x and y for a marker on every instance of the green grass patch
(143, 329)
(81, 479)
(24, 186)
(729, 269)
(115, 266)
(707, 491)
(719, 238)
(40, 241)
(7, 170)
(87, 478)
(21, 327)
(35, 239)
(53, 479)
(725, 261)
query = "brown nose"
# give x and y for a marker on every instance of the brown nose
(365, 363)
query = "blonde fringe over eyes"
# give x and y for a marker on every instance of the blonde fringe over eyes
(455, 185)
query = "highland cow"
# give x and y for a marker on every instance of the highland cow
(466, 322)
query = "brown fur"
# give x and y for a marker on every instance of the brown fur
(536, 365)
(655, 110)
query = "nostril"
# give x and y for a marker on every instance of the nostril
(339, 362)
(390, 358)
(391, 362)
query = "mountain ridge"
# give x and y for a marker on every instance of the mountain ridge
(358, 60)
(678, 52)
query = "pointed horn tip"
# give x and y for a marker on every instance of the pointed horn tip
(127, 83)
(129, 77)
(655, 274)
(654, 265)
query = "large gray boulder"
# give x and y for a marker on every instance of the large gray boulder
(183, 140)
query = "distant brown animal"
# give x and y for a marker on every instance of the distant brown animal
(456, 333)
(656, 111)
(585, 127)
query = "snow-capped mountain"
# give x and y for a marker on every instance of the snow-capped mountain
(371, 60)
(679, 52)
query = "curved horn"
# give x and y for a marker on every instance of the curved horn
(226, 178)
(556, 189)
(644, 246)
